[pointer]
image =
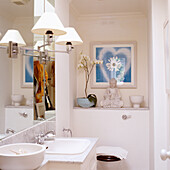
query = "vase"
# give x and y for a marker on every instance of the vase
(84, 102)
(90, 101)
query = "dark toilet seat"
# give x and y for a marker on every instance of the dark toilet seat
(107, 158)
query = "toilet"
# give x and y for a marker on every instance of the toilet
(110, 158)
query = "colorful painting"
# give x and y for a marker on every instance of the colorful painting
(27, 71)
(119, 62)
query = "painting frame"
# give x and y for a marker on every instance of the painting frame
(25, 83)
(166, 55)
(133, 61)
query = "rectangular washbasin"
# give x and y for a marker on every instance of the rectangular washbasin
(67, 146)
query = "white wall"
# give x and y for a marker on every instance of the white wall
(159, 108)
(150, 91)
(24, 25)
(107, 124)
(62, 62)
(116, 28)
(131, 134)
(11, 69)
(73, 71)
(5, 74)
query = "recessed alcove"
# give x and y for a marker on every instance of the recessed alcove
(118, 24)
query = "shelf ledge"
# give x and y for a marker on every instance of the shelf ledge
(101, 108)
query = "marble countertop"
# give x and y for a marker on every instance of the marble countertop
(77, 158)
(3, 136)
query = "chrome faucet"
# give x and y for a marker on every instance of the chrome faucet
(10, 130)
(40, 138)
(49, 132)
(68, 131)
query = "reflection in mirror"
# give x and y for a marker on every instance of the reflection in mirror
(15, 118)
(44, 85)
(44, 72)
(16, 75)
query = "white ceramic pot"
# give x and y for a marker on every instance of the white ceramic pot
(17, 99)
(136, 100)
(29, 102)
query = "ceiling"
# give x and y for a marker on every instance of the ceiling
(12, 10)
(92, 7)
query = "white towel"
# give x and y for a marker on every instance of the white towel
(112, 151)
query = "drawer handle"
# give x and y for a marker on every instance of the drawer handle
(24, 114)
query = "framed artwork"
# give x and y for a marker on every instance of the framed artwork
(167, 58)
(27, 70)
(119, 62)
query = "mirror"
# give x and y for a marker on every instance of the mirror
(44, 72)
(44, 85)
(17, 74)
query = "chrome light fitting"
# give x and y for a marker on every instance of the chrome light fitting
(12, 50)
(12, 40)
(49, 25)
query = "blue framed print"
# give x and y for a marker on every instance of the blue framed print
(28, 65)
(119, 62)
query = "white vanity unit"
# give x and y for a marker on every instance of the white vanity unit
(18, 117)
(76, 161)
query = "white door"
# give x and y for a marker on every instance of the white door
(165, 153)
(160, 103)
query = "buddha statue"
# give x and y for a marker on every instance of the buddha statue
(112, 97)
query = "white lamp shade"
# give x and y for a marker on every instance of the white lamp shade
(71, 36)
(14, 36)
(49, 21)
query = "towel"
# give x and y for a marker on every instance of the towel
(112, 151)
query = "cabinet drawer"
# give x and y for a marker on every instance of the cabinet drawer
(18, 118)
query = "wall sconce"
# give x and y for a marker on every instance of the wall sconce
(49, 22)
(49, 25)
(12, 40)
(70, 39)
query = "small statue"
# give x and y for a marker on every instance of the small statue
(112, 97)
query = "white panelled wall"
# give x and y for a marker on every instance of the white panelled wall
(131, 134)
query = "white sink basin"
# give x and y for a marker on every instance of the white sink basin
(67, 146)
(21, 156)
